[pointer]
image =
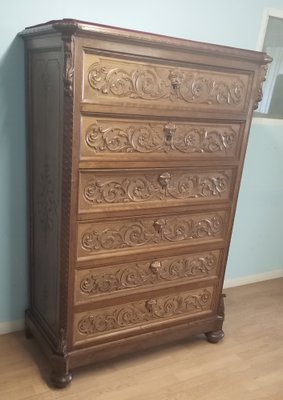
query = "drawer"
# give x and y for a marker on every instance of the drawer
(130, 317)
(128, 83)
(130, 235)
(115, 280)
(111, 190)
(129, 139)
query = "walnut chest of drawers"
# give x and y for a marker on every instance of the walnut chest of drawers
(136, 147)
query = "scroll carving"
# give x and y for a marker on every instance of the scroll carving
(261, 79)
(69, 68)
(164, 186)
(62, 342)
(128, 315)
(148, 138)
(125, 80)
(142, 274)
(140, 233)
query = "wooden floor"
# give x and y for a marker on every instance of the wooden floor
(246, 365)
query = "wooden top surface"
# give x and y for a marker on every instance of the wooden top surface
(78, 28)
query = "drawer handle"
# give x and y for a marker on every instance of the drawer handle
(169, 130)
(151, 305)
(159, 225)
(155, 266)
(164, 179)
(176, 78)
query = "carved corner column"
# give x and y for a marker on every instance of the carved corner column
(61, 376)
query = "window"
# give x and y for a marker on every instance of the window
(271, 41)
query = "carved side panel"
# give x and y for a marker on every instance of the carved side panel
(45, 125)
(96, 282)
(124, 138)
(127, 316)
(107, 237)
(111, 190)
(114, 80)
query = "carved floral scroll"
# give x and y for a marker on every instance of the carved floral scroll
(149, 82)
(134, 275)
(129, 315)
(99, 237)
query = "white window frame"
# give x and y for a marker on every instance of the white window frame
(273, 68)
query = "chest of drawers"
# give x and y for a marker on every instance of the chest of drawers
(137, 144)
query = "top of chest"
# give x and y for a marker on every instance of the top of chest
(126, 68)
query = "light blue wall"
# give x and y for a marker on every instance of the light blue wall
(257, 239)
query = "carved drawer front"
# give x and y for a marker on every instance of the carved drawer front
(129, 83)
(134, 139)
(150, 311)
(111, 190)
(133, 234)
(157, 272)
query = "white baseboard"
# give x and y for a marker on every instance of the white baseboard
(248, 279)
(11, 326)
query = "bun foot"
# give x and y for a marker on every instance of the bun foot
(214, 336)
(28, 333)
(61, 381)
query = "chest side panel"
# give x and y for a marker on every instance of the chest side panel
(45, 72)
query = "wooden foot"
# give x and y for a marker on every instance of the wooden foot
(215, 336)
(61, 381)
(28, 333)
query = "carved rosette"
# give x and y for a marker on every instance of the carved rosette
(126, 316)
(124, 80)
(162, 230)
(136, 275)
(148, 138)
(165, 186)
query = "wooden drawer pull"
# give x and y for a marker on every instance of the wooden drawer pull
(155, 266)
(164, 179)
(169, 130)
(158, 225)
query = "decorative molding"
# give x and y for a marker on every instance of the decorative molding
(62, 342)
(144, 82)
(68, 67)
(139, 233)
(137, 137)
(148, 273)
(261, 78)
(105, 189)
(66, 178)
(128, 315)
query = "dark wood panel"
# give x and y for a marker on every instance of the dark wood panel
(46, 156)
